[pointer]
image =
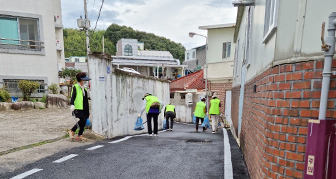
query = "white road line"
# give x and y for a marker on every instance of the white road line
(65, 158)
(25, 174)
(228, 172)
(95, 147)
(120, 140)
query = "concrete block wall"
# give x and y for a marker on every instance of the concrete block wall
(275, 117)
(116, 97)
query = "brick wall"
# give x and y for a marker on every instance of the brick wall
(275, 117)
(220, 89)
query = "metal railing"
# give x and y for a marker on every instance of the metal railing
(22, 44)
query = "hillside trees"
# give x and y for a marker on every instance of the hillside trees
(74, 41)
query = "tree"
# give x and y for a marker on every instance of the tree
(71, 74)
(27, 88)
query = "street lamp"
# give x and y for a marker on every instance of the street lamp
(192, 34)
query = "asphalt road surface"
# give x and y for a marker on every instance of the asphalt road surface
(177, 154)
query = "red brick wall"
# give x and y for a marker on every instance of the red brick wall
(220, 89)
(275, 117)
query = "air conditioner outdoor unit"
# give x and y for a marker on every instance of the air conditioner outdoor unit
(58, 45)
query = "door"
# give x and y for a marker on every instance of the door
(228, 106)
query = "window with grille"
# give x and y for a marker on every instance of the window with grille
(187, 56)
(226, 50)
(20, 33)
(194, 54)
(12, 85)
(271, 17)
(128, 50)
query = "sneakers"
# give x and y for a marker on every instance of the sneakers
(214, 132)
(150, 135)
(71, 134)
(196, 131)
(81, 138)
(170, 129)
(155, 135)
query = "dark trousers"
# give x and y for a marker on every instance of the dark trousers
(149, 122)
(81, 123)
(197, 121)
(170, 115)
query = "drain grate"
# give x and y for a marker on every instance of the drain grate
(199, 141)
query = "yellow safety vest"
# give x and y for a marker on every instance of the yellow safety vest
(214, 108)
(199, 111)
(150, 100)
(79, 97)
(170, 108)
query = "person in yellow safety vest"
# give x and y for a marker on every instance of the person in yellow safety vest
(170, 113)
(79, 105)
(153, 107)
(200, 111)
(214, 112)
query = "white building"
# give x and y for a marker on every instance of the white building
(31, 44)
(277, 83)
(161, 64)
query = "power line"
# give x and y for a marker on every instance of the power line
(99, 14)
(92, 8)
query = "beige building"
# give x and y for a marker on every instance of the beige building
(220, 62)
(31, 43)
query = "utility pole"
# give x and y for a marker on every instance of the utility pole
(86, 28)
(103, 44)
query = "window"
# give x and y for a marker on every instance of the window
(19, 33)
(196, 62)
(194, 54)
(271, 15)
(12, 85)
(76, 59)
(128, 50)
(226, 50)
(187, 56)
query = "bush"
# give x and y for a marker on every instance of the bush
(4, 95)
(53, 88)
(27, 88)
(44, 99)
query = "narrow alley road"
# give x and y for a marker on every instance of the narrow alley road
(179, 154)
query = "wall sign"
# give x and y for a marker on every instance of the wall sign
(108, 70)
(101, 78)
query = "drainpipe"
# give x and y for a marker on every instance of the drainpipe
(329, 50)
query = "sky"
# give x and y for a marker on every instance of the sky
(173, 19)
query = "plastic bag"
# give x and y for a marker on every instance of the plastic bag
(206, 122)
(88, 123)
(164, 127)
(138, 124)
(194, 119)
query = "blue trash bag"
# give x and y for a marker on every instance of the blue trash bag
(164, 127)
(88, 123)
(138, 124)
(206, 122)
(194, 119)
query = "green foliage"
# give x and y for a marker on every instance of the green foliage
(4, 95)
(27, 88)
(152, 42)
(53, 88)
(44, 99)
(75, 42)
(33, 100)
(69, 73)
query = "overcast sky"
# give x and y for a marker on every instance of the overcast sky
(173, 19)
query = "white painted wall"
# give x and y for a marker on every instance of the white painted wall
(220, 69)
(296, 38)
(116, 98)
(190, 52)
(183, 113)
(32, 66)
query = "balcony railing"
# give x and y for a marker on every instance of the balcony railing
(21, 44)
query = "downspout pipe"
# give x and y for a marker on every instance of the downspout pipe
(328, 54)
